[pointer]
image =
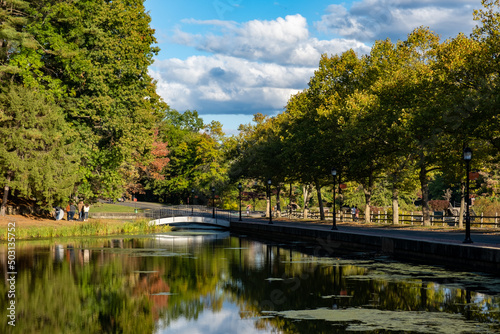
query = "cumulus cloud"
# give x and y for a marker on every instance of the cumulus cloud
(253, 66)
(368, 20)
(284, 40)
(227, 85)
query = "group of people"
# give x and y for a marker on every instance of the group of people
(72, 209)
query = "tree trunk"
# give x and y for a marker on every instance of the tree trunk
(462, 206)
(367, 189)
(395, 204)
(368, 200)
(6, 189)
(306, 191)
(268, 204)
(425, 197)
(320, 200)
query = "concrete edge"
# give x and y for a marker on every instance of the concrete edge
(465, 257)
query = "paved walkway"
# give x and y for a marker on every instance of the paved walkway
(481, 238)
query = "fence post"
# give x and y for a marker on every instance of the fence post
(481, 220)
(385, 216)
(496, 213)
(411, 217)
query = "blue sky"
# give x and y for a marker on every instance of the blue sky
(230, 59)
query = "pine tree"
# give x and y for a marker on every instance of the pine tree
(37, 157)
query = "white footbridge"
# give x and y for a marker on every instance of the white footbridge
(194, 221)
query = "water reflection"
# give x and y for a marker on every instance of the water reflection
(206, 282)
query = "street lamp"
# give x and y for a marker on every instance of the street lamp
(192, 202)
(334, 174)
(270, 207)
(239, 189)
(213, 202)
(467, 159)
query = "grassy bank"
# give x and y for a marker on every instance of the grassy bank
(114, 208)
(91, 228)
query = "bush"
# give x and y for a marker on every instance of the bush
(486, 206)
(439, 204)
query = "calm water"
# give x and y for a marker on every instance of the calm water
(216, 283)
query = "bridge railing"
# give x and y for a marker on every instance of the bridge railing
(185, 211)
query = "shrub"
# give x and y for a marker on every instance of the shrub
(486, 206)
(439, 204)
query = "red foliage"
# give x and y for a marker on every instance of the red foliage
(160, 153)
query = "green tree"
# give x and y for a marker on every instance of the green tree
(424, 120)
(259, 155)
(196, 157)
(38, 157)
(13, 39)
(484, 70)
(93, 57)
(329, 115)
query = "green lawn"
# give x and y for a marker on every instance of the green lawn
(104, 207)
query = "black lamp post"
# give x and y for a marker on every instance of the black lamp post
(334, 174)
(239, 189)
(192, 202)
(213, 202)
(467, 159)
(340, 195)
(270, 206)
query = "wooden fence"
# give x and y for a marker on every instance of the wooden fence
(411, 218)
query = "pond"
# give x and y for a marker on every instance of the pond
(214, 282)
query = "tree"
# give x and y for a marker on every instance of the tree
(304, 132)
(484, 69)
(37, 157)
(93, 57)
(13, 18)
(327, 117)
(424, 121)
(196, 157)
(258, 154)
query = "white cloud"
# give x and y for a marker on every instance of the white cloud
(368, 20)
(223, 84)
(253, 67)
(283, 41)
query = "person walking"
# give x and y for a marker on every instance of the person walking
(353, 213)
(86, 210)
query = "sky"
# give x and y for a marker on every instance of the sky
(231, 59)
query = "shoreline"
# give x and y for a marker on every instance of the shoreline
(19, 227)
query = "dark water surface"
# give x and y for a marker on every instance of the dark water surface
(207, 282)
